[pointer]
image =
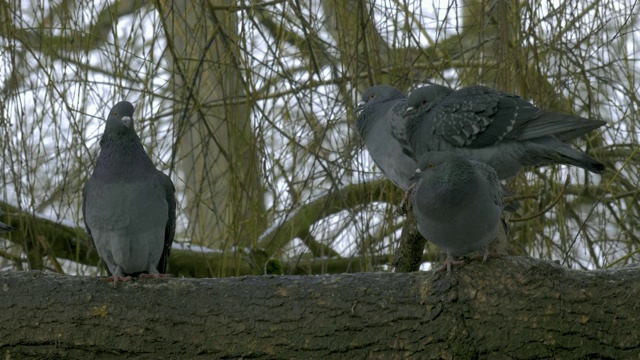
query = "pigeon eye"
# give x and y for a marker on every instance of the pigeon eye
(372, 96)
(431, 165)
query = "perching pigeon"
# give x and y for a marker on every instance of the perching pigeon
(504, 131)
(129, 206)
(457, 203)
(384, 106)
(4, 227)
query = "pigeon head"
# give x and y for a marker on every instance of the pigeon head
(443, 169)
(377, 95)
(424, 98)
(120, 119)
(119, 127)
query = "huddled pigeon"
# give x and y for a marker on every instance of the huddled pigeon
(457, 203)
(129, 206)
(504, 131)
(383, 108)
(4, 227)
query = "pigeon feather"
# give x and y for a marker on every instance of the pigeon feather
(128, 205)
(458, 203)
(502, 130)
(383, 108)
(4, 227)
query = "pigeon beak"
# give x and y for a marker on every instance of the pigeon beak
(359, 108)
(415, 175)
(127, 121)
(410, 110)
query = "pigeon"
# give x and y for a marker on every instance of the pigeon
(501, 130)
(129, 206)
(383, 108)
(457, 203)
(4, 227)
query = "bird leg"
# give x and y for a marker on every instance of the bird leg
(486, 254)
(405, 204)
(449, 263)
(153, 273)
(117, 276)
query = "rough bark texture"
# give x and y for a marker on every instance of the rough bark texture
(512, 307)
(408, 256)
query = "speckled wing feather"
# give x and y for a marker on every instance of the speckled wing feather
(475, 117)
(399, 128)
(502, 130)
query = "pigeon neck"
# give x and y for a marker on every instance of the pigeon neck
(447, 191)
(371, 114)
(125, 151)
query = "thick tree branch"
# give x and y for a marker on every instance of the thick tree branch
(74, 244)
(512, 307)
(345, 198)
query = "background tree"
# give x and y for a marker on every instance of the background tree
(249, 106)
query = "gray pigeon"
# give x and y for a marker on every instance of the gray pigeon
(383, 108)
(457, 203)
(129, 206)
(504, 131)
(4, 227)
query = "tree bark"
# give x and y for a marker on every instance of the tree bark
(408, 256)
(217, 153)
(513, 307)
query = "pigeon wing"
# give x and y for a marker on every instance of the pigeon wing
(85, 191)
(170, 229)
(495, 187)
(475, 117)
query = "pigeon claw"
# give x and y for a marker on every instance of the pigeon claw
(116, 278)
(405, 204)
(450, 263)
(402, 208)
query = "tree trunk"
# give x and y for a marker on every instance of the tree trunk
(512, 307)
(217, 151)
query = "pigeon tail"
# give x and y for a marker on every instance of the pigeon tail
(551, 150)
(4, 227)
(512, 206)
(563, 126)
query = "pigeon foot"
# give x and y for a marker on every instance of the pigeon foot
(405, 204)
(450, 263)
(116, 278)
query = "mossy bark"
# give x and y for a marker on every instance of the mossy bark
(512, 307)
